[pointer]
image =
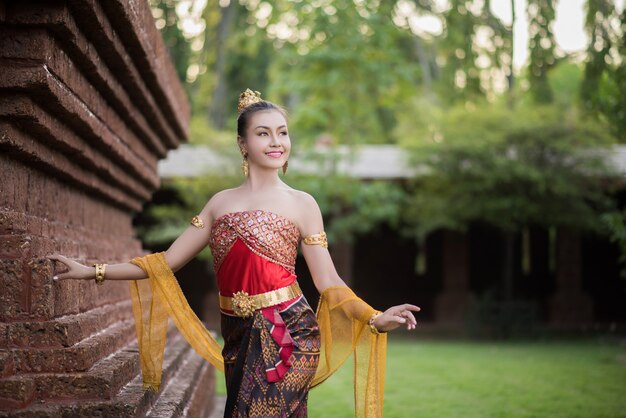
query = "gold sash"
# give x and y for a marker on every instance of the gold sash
(244, 305)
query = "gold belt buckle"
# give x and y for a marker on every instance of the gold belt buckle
(243, 304)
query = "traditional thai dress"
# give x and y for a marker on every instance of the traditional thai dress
(272, 357)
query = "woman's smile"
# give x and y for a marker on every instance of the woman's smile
(274, 154)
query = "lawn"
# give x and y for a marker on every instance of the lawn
(438, 379)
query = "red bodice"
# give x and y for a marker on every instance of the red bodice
(254, 251)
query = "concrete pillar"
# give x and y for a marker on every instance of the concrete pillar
(342, 253)
(570, 305)
(89, 102)
(455, 297)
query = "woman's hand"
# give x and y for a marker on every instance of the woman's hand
(75, 270)
(397, 316)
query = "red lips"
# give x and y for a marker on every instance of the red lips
(274, 154)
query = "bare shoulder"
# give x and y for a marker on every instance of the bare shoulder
(300, 196)
(215, 204)
(307, 212)
(302, 201)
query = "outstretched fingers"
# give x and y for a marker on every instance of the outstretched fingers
(409, 307)
(62, 259)
(403, 314)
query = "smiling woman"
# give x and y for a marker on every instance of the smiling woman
(267, 129)
(275, 346)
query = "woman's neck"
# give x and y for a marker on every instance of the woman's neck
(261, 180)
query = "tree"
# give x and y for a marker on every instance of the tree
(609, 101)
(177, 45)
(542, 47)
(510, 169)
(343, 66)
(598, 25)
(460, 75)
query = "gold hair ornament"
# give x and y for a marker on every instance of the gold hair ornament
(247, 98)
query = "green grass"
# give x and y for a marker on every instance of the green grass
(489, 380)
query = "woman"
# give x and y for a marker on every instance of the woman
(275, 347)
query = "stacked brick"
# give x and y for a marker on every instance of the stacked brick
(89, 102)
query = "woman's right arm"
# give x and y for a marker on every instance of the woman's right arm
(186, 247)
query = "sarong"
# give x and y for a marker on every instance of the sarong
(250, 351)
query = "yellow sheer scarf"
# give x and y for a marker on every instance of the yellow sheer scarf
(343, 319)
(153, 301)
(342, 316)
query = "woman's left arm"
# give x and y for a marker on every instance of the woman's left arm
(325, 275)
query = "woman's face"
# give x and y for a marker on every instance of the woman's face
(267, 140)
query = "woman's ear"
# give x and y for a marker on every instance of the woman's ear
(241, 143)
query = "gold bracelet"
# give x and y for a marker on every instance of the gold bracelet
(100, 269)
(316, 239)
(371, 323)
(197, 222)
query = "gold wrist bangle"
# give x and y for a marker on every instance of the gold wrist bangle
(100, 269)
(371, 323)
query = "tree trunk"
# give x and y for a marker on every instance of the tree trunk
(511, 77)
(216, 112)
(508, 265)
(427, 75)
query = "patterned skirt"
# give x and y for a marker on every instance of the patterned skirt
(255, 348)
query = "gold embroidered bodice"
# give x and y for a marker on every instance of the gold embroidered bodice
(265, 233)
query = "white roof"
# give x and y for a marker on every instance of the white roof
(364, 161)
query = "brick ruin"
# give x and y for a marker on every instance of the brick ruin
(89, 102)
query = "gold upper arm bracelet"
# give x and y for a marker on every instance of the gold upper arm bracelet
(317, 239)
(197, 222)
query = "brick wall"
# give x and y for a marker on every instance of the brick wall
(89, 102)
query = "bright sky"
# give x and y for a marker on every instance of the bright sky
(568, 26)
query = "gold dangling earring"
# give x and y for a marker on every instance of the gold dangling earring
(285, 167)
(244, 165)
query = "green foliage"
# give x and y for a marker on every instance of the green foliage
(351, 206)
(348, 70)
(542, 46)
(609, 101)
(602, 39)
(460, 70)
(170, 220)
(177, 45)
(565, 81)
(465, 59)
(201, 132)
(509, 168)
(616, 224)
(348, 74)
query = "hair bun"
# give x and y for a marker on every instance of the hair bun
(247, 98)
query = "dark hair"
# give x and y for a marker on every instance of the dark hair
(244, 116)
